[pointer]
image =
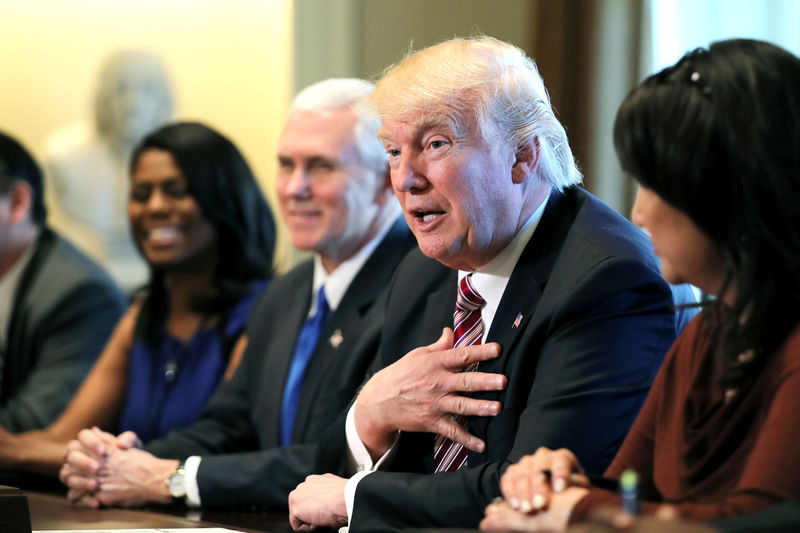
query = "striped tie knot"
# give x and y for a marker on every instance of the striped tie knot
(468, 298)
(467, 323)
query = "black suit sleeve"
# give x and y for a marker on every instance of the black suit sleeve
(578, 386)
(261, 478)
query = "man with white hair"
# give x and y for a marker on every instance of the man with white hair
(311, 336)
(559, 304)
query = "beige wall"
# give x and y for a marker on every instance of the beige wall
(230, 61)
(362, 37)
(390, 26)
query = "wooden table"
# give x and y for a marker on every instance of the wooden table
(54, 512)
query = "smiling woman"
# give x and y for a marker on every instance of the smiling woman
(166, 221)
(202, 225)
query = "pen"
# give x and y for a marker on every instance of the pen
(629, 490)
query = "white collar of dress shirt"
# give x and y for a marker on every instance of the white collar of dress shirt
(8, 287)
(337, 282)
(490, 280)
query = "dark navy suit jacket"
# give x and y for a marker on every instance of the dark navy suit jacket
(597, 319)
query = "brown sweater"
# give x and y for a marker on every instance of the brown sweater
(708, 457)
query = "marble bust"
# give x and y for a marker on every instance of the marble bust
(87, 162)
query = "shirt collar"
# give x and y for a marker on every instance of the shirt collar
(337, 282)
(490, 280)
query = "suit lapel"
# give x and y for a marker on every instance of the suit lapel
(43, 246)
(518, 313)
(516, 309)
(344, 325)
(373, 277)
(292, 316)
(17, 339)
(527, 282)
(439, 310)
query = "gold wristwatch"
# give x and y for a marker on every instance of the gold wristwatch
(176, 484)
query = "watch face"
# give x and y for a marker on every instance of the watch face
(177, 485)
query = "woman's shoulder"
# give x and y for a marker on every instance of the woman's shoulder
(237, 315)
(694, 337)
(688, 351)
(792, 344)
(788, 355)
(134, 314)
(127, 324)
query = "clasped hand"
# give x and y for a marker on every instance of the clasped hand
(423, 390)
(101, 469)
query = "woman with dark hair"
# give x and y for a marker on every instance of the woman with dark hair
(201, 222)
(714, 142)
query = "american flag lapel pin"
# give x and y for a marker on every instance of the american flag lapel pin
(517, 320)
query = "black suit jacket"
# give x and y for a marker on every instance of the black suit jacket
(65, 307)
(238, 433)
(596, 321)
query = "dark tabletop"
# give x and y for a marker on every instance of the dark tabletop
(54, 512)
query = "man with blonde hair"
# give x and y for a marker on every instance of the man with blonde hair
(561, 317)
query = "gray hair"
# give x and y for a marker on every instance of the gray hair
(337, 93)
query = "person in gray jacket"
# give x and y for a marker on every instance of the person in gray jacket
(57, 307)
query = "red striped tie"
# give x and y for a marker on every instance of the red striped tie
(449, 456)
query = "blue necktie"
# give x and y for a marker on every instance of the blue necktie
(306, 342)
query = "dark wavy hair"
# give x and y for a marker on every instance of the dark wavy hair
(221, 182)
(717, 136)
(16, 163)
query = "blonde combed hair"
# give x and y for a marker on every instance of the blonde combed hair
(484, 82)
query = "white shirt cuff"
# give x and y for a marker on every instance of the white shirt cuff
(359, 458)
(350, 495)
(191, 466)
